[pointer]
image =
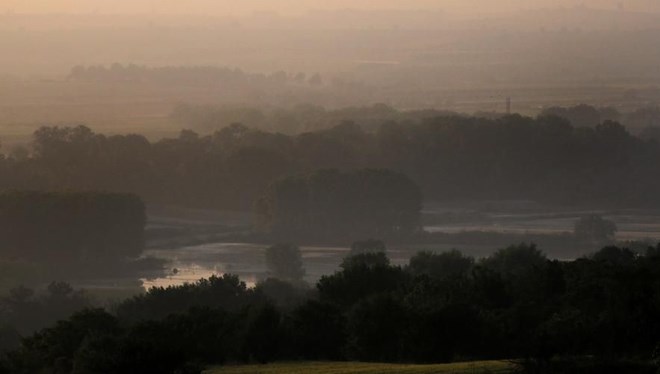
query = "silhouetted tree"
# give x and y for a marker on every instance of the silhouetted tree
(440, 265)
(515, 260)
(284, 261)
(367, 246)
(594, 230)
(361, 276)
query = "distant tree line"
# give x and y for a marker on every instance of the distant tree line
(544, 159)
(440, 307)
(584, 115)
(296, 120)
(645, 119)
(189, 76)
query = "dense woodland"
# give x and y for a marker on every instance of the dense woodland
(515, 304)
(454, 157)
(329, 204)
(71, 235)
(71, 227)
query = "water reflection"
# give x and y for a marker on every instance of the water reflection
(185, 274)
(189, 264)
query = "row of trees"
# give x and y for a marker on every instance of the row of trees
(646, 118)
(329, 204)
(189, 76)
(295, 120)
(584, 115)
(438, 308)
(306, 117)
(56, 227)
(544, 159)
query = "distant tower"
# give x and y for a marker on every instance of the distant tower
(508, 105)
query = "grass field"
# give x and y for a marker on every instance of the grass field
(476, 367)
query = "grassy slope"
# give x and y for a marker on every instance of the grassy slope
(477, 367)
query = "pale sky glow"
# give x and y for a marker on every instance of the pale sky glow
(237, 7)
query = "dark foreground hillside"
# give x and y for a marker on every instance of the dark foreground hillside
(476, 367)
(594, 314)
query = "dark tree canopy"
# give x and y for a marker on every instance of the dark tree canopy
(71, 226)
(513, 304)
(546, 159)
(515, 259)
(367, 246)
(331, 204)
(440, 265)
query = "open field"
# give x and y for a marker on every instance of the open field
(364, 368)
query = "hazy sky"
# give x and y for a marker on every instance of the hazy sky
(235, 7)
